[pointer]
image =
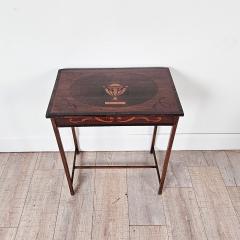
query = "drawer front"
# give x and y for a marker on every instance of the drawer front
(114, 120)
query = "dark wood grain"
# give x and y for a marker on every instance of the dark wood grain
(82, 92)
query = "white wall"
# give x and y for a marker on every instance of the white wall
(199, 40)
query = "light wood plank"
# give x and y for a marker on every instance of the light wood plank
(86, 158)
(74, 219)
(219, 207)
(177, 173)
(217, 211)
(219, 159)
(145, 204)
(3, 160)
(110, 158)
(48, 161)
(234, 193)
(190, 158)
(52, 160)
(7, 233)
(234, 158)
(113, 158)
(148, 233)
(177, 176)
(141, 158)
(41, 207)
(15, 181)
(182, 214)
(124, 158)
(110, 217)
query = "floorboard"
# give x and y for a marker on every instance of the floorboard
(178, 174)
(75, 213)
(15, 181)
(234, 193)
(110, 216)
(41, 207)
(48, 161)
(145, 204)
(216, 208)
(220, 159)
(7, 233)
(77, 210)
(148, 233)
(182, 214)
(3, 160)
(200, 200)
(234, 159)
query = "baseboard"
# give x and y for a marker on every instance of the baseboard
(130, 142)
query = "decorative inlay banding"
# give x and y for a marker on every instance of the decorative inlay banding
(123, 120)
(105, 120)
(80, 120)
(115, 119)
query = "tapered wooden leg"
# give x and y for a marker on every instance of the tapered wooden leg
(167, 156)
(63, 156)
(153, 138)
(75, 138)
(156, 165)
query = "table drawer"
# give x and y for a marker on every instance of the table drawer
(114, 120)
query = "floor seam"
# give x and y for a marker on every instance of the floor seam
(30, 182)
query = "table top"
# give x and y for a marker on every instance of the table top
(114, 91)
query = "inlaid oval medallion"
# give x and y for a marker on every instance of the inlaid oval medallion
(102, 90)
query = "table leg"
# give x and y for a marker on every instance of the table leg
(153, 139)
(167, 156)
(63, 156)
(76, 140)
(156, 165)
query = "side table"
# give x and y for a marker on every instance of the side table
(114, 97)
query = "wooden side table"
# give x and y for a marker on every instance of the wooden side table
(114, 97)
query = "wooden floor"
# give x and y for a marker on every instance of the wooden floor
(201, 198)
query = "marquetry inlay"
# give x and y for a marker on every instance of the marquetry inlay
(111, 119)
